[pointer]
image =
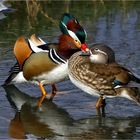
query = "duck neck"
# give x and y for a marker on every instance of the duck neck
(66, 48)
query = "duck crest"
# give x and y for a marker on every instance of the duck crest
(71, 22)
(21, 51)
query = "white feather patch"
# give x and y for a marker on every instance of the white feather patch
(73, 35)
(19, 78)
(56, 75)
(125, 94)
(84, 87)
(35, 48)
(43, 42)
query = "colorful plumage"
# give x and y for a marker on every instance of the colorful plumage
(43, 63)
(70, 25)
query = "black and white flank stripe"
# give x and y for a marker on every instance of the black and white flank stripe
(55, 57)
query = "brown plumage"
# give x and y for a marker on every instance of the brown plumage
(102, 79)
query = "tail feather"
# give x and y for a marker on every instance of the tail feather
(131, 93)
(13, 73)
(10, 78)
(134, 78)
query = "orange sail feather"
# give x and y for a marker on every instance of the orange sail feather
(21, 51)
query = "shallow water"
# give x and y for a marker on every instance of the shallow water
(72, 115)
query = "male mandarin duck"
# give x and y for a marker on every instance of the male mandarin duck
(98, 74)
(46, 63)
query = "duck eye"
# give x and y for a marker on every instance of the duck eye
(77, 41)
(96, 49)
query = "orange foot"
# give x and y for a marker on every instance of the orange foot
(100, 103)
(44, 94)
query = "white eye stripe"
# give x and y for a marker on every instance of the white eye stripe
(76, 21)
(73, 35)
(64, 24)
(101, 52)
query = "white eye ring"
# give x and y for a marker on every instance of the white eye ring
(99, 51)
(96, 49)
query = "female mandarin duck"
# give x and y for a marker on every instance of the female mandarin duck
(98, 74)
(47, 63)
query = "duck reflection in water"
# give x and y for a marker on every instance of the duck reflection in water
(53, 122)
(48, 121)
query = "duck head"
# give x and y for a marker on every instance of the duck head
(102, 54)
(69, 25)
(69, 45)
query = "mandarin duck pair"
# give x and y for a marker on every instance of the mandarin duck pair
(46, 63)
(94, 71)
(99, 75)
